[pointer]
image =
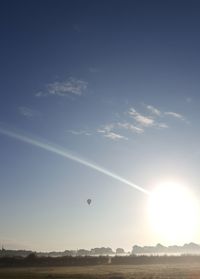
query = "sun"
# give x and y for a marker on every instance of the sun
(173, 213)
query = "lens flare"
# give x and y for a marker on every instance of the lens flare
(67, 154)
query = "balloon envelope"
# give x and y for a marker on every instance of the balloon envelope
(89, 201)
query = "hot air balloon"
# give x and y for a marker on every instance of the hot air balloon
(89, 201)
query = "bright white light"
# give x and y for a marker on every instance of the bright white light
(173, 213)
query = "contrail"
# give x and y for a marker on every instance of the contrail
(67, 154)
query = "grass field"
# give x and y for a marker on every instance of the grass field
(156, 271)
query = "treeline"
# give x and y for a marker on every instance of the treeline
(100, 251)
(34, 261)
(187, 248)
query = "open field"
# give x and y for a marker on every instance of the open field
(156, 271)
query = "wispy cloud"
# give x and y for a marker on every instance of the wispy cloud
(71, 86)
(41, 94)
(136, 123)
(106, 128)
(175, 115)
(153, 120)
(79, 132)
(27, 112)
(114, 136)
(162, 125)
(153, 110)
(107, 132)
(143, 120)
(130, 127)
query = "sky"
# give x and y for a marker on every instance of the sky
(115, 83)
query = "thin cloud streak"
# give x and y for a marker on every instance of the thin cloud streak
(71, 86)
(141, 119)
(79, 133)
(175, 115)
(153, 110)
(162, 125)
(114, 136)
(130, 127)
(67, 154)
(108, 132)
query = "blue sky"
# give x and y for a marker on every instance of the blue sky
(113, 82)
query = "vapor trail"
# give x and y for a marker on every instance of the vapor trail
(65, 153)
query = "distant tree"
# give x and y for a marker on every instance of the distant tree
(32, 256)
(83, 252)
(120, 251)
(102, 251)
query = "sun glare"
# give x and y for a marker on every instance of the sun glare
(173, 213)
